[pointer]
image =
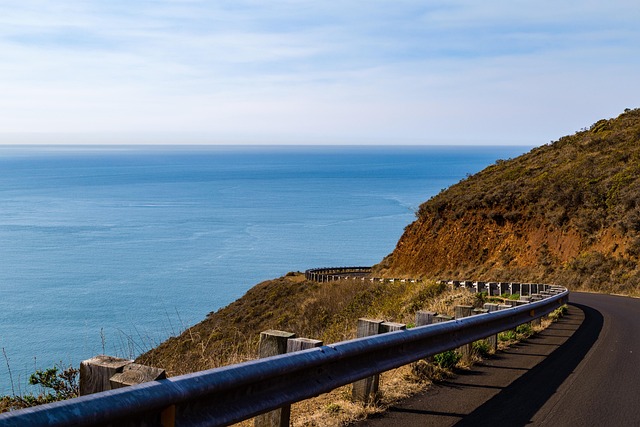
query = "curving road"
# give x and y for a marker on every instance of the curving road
(582, 371)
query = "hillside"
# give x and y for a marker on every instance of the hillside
(324, 311)
(567, 212)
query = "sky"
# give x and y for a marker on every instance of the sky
(314, 72)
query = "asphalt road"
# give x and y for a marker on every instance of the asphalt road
(582, 371)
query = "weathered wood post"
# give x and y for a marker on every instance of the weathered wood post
(442, 318)
(95, 373)
(366, 390)
(477, 311)
(505, 307)
(460, 312)
(424, 317)
(297, 344)
(103, 373)
(391, 327)
(134, 373)
(272, 343)
(493, 339)
(536, 322)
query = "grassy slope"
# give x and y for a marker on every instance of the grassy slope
(567, 212)
(325, 311)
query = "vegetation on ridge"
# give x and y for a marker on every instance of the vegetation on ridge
(567, 212)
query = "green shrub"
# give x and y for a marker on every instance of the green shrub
(448, 359)
(558, 313)
(480, 299)
(524, 331)
(509, 335)
(481, 348)
(56, 383)
(64, 384)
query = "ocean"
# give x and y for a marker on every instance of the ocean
(112, 249)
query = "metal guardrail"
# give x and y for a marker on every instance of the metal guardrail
(233, 393)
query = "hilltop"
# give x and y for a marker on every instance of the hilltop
(566, 212)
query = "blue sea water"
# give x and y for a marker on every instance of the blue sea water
(114, 249)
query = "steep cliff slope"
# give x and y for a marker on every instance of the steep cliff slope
(567, 212)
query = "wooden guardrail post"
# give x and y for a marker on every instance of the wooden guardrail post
(460, 312)
(103, 373)
(536, 322)
(134, 373)
(272, 343)
(424, 317)
(366, 390)
(442, 318)
(477, 311)
(297, 344)
(493, 339)
(391, 327)
(96, 372)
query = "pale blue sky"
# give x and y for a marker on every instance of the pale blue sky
(348, 72)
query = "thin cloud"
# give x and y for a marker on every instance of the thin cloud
(353, 71)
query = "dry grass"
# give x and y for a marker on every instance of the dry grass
(326, 311)
(336, 408)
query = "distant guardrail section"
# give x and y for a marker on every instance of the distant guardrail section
(230, 394)
(330, 274)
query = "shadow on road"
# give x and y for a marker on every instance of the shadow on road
(517, 403)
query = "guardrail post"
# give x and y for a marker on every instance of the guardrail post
(442, 318)
(95, 373)
(493, 339)
(505, 307)
(424, 317)
(461, 311)
(536, 322)
(272, 343)
(297, 344)
(364, 389)
(134, 373)
(391, 327)
(481, 311)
